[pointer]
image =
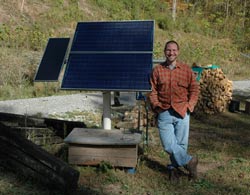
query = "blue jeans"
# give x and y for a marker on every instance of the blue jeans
(174, 134)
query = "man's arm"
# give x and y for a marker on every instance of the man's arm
(153, 96)
(194, 90)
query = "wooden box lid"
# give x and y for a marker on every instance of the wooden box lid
(102, 137)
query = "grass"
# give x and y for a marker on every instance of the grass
(221, 142)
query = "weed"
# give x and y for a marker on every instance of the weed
(203, 184)
(104, 167)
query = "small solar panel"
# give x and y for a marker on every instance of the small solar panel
(110, 56)
(53, 59)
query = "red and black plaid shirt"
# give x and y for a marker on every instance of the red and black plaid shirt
(177, 88)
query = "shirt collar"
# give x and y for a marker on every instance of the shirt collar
(171, 66)
(177, 65)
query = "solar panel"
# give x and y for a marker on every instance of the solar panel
(113, 36)
(110, 56)
(53, 59)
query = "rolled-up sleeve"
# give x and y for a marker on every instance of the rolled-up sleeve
(194, 90)
(153, 96)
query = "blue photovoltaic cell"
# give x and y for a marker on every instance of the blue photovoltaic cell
(110, 56)
(53, 59)
(114, 36)
(108, 72)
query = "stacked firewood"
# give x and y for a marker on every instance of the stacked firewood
(138, 117)
(215, 92)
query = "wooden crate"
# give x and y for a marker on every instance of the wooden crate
(92, 146)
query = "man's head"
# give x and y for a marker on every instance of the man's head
(171, 51)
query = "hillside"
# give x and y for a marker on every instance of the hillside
(26, 26)
(209, 32)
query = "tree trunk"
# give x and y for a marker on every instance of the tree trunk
(174, 9)
(22, 5)
(227, 9)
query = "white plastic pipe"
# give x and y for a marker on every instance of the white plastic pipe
(106, 110)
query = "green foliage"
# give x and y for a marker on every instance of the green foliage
(206, 17)
(158, 50)
(37, 37)
(4, 33)
(58, 2)
(73, 13)
(28, 37)
(165, 23)
(104, 167)
(132, 10)
(114, 9)
(206, 31)
(203, 184)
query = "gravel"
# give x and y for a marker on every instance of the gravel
(61, 104)
(84, 102)
(241, 88)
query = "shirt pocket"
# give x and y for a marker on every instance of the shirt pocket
(163, 84)
(182, 88)
(183, 85)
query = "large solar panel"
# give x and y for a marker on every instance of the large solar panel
(53, 59)
(110, 56)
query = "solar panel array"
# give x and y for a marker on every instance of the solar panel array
(53, 59)
(110, 56)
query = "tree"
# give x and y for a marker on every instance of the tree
(174, 9)
(22, 5)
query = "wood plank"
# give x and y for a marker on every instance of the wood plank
(61, 127)
(22, 120)
(93, 160)
(102, 137)
(121, 152)
(33, 159)
(118, 156)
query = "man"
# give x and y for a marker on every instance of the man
(174, 94)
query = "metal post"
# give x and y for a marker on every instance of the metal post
(107, 110)
(146, 108)
(139, 117)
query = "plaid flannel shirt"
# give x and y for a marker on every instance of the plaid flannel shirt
(177, 88)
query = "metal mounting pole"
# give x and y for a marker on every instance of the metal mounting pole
(107, 110)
